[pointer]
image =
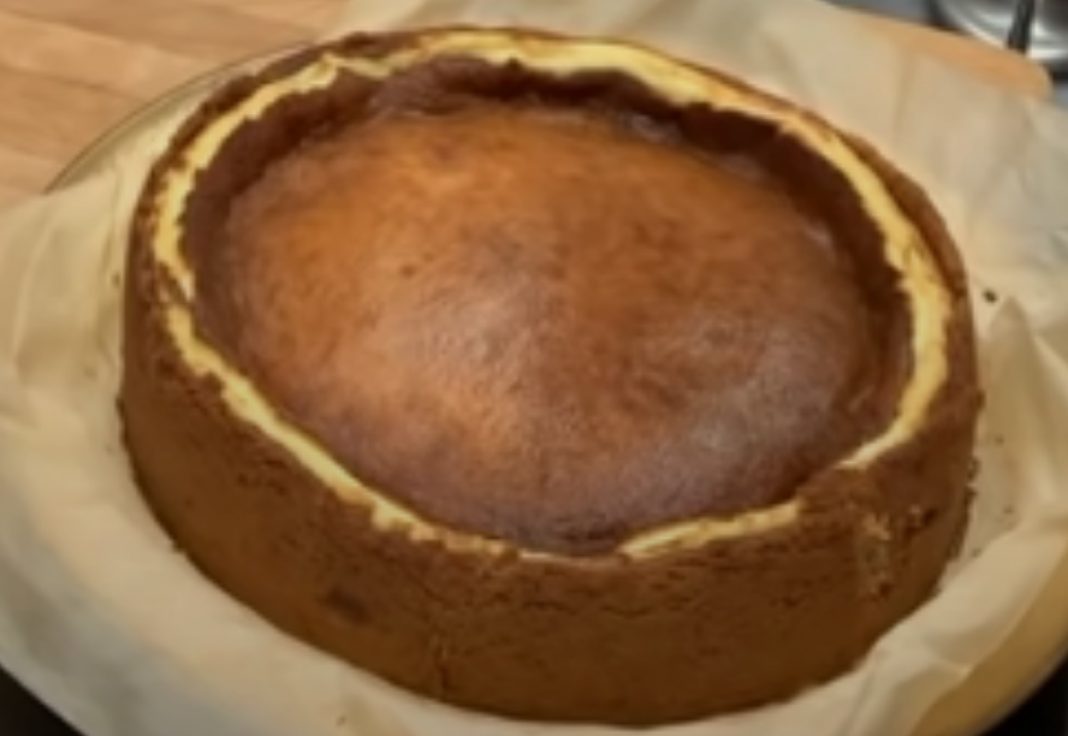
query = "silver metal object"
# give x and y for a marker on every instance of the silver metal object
(1037, 27)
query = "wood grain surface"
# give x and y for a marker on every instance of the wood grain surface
(69, 69)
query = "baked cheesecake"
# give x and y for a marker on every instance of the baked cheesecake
(551, 377)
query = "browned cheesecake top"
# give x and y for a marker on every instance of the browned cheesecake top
(557, 324)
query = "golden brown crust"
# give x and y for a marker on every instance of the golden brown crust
(725, 625)
(509, 317)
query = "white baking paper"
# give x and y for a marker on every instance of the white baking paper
(104, 620)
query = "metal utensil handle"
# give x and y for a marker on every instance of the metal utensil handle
(1023, 22)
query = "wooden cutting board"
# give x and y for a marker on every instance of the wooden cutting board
(69, 69)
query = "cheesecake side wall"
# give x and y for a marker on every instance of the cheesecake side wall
(728, 625)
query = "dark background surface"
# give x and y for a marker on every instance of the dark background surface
(1044, 714)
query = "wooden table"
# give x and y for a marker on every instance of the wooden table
(69, 69)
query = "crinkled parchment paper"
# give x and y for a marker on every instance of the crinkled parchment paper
(105, 620)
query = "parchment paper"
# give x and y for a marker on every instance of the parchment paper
(102, 618)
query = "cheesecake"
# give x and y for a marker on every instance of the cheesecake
(551, 377)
